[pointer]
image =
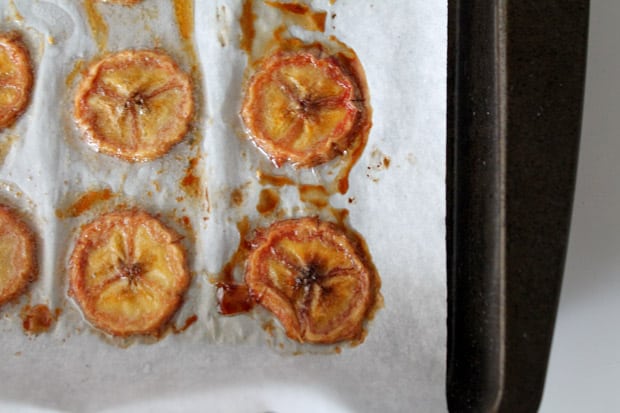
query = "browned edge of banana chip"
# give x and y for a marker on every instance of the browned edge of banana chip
(134, 104)
(315, 277)
(258, 110)
(20, 267)
(113, 277)
(15, 55)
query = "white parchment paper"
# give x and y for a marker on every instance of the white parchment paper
(231, 363)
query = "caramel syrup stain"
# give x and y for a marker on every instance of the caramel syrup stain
(86, 202)
(186, 223)
(191, 182)
(269, 327)
(295, 8)
(184, 13)
(38, 319)
(356, 149)
(233, 297)
(340, 215)
(302, 15)
(236, 197)
(77, 68)
(240, 255)
(316, 195)
(268, 201)
(349, 160)
(278, 34)
(273, 180)
(98, 26)
(185, 220)
(246, 21)
(188, 323)
(319, 20)
(16, 14)
(5, 146)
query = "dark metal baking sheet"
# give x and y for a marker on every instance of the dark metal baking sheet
(516, 74)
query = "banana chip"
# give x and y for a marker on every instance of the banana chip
(128, 273)
(135, 105)
(303, 106)
(314, 278)
(18, 263)
(15, 78)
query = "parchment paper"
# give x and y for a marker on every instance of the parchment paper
(231, 363)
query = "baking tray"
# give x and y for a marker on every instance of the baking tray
(516, 74)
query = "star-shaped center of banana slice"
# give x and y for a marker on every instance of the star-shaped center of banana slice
(309, 275)
(131, 272)
(137, 103)
(308, 106)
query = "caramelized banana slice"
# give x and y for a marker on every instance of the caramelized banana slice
(314, 278)
(15, 78)
(128, 273)
(18, 263)
(134, 104)
(303, 106)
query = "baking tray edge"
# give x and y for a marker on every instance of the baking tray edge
(516, 75)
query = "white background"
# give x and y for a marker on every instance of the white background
(584, 369)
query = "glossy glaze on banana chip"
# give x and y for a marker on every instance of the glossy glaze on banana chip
(16, 78)
(134, 104)
(306, 106)
(128, 273)
(314, 277)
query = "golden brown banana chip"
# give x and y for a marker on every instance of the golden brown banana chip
(304, 106)
(18, 262)
(128, 273)
(314, 278)
(134, 105)
(15, 78)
